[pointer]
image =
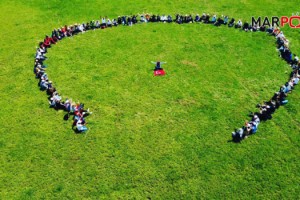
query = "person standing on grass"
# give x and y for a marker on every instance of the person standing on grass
(158, 64)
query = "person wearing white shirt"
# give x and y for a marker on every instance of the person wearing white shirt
(80, 125)
(239, 24)
(103, 22)
(109, 24)
(163, 18)
(142, 18)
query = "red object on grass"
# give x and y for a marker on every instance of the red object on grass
(159, 72)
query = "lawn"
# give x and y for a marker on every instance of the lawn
(150, 137)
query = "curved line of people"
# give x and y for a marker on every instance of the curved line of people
(105, 22)
(279, 98)
(55, 99)
(79, 112)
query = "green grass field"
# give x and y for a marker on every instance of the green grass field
(150, 137)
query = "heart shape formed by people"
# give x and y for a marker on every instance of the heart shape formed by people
(77, 110)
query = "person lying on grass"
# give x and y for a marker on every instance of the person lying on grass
(158, 65)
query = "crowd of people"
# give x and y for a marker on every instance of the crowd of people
(77, 109)
(279, 98)
(55, 100)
